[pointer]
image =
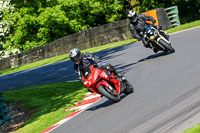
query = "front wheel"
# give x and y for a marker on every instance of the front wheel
(110, 94)
(167, 46)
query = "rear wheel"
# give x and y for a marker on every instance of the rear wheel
(109, 93)
(167, 46)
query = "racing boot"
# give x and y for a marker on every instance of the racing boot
(155, 50)
(120, 77)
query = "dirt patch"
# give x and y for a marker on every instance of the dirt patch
(18, 116)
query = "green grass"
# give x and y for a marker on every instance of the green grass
(90, 50)
(184, 26)
(34, 64)
(63, 57)
(195, 129)
(49, 102)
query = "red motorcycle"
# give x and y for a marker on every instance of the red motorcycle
(107, 84)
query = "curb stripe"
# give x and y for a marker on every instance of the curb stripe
(50, 128)
(73, 114)
(88, 100)
(92, 96)
(85, 102)
(89, 94)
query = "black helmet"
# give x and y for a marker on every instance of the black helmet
(74, 55)
(132, 16)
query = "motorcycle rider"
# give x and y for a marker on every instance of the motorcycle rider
(137, 27)
(82, 61)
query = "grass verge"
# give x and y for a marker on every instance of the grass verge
(184, 27)
(90, 50)
(63, 57)
(195, 129)
(48, 100)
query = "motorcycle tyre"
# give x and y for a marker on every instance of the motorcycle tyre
(108, 95)
(167, 46)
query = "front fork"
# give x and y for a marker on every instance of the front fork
(156, 41)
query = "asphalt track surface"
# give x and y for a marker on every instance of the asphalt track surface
(167, 88)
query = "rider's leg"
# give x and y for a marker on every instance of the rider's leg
(149, 45)
(159, 27)
(155, 50)
(164, 35)
(111, 68)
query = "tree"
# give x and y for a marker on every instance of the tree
(39, 22)
(33, 23)
(6, 8)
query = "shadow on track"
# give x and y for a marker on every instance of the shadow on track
(51, 73)
(105, 104)
(124, 68)
(153, 56)
(109, 53)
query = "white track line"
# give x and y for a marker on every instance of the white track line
(185, 30)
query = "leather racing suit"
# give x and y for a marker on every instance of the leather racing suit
(88, 59)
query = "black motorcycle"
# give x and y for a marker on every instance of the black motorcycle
(158, 38)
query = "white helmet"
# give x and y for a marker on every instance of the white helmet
(132, 16)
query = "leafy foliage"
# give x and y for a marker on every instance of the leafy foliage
(6, 11)
(33, 23)
(188, 9)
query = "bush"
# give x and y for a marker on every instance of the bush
(33, 23)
